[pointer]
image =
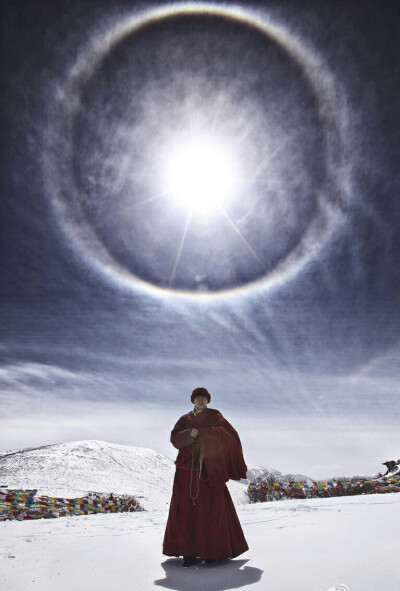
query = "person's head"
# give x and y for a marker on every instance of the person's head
(200, 398)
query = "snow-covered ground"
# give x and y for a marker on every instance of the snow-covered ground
(332, 544)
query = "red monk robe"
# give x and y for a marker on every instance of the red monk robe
(208, 526)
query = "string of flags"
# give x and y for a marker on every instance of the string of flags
(390, 484)
(323, 484)
(26, 504)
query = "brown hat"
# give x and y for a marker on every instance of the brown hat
(200, 392)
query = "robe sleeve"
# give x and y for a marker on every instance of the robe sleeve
(223, 453)
(180, 434)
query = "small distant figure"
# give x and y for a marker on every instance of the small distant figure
(202, 521)
(390, 465)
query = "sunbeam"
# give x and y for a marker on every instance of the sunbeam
(238, 232)
(103, 218)
(178, 255)
(153, 198)
(255, 181)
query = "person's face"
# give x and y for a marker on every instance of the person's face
(200, 402)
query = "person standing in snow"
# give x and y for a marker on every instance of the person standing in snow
(202, 521)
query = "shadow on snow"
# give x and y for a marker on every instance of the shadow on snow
(227, 574)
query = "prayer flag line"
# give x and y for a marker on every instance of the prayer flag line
(26, 505)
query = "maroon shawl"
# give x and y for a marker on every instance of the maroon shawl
(220, 443)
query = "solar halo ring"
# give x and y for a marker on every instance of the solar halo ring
(80, 239)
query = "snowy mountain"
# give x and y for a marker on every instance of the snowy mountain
(271, 475)
(75, 468)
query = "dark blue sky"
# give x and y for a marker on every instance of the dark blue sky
(116, 302)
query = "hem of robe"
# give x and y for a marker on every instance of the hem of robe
(210, 529)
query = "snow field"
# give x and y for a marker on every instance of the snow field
(305, 545)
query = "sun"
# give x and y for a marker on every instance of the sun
(200, 175)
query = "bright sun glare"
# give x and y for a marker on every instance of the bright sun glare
(199, 176)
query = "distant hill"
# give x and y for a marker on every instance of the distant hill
(75, 468)
(270, 475)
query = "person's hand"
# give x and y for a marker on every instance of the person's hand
(194, 433)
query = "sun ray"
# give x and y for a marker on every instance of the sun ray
(102, 218)
(216, 116)
(256, 181)
(236, 229)
(269, 157)
(153, 198)
(246, 132)
(178, 254)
